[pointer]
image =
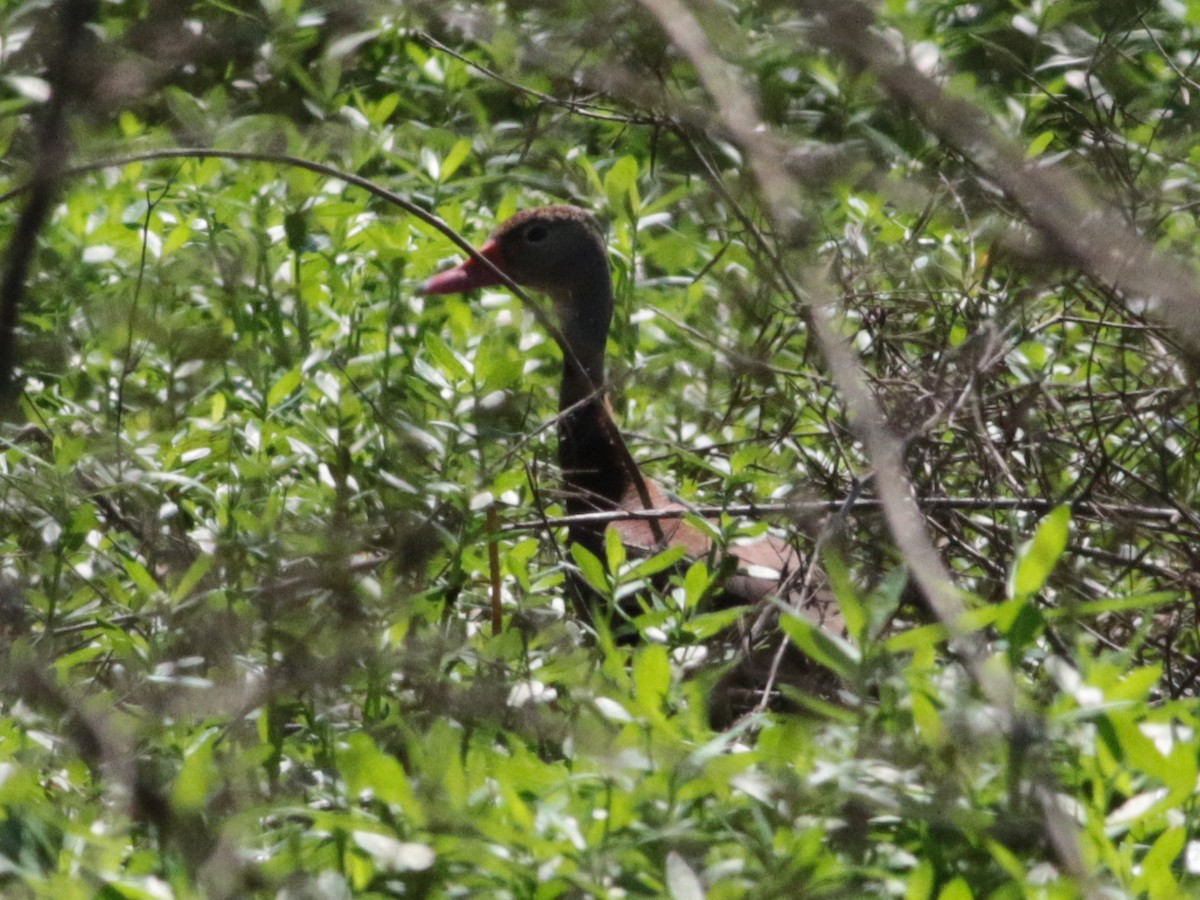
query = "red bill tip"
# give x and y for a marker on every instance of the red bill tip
(467, 275)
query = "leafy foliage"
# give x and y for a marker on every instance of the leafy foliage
(246, 581)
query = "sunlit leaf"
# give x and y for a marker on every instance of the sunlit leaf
(1037, 558)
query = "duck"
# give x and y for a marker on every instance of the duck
(560, 251)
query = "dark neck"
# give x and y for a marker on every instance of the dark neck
(584, 314)
(592, 471)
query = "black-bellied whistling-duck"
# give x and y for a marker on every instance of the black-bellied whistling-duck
(560, 251)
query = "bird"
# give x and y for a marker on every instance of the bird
(560, 251)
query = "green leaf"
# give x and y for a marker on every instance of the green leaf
(614, 549)
(651, 678)
(1181, 772)
(591, 568)
(707, 625)
(916, 638)
(1019, 620)
(1007, 859)
(197, 775)
(1146, 602)
(446, 358)
(382, 111)
(958, 889)
(283, 388)
(1037, 558)
(1160, 860)
(1130, 745)
(455, 158)
(620, 184)
(141, 577)
(847, 596)
(1137, 684)
(1038, 144)
(196, 571)
(920, 882)
(831, 651)
(659, 562)
(177, 238)
(927, 718)
(696, 583)
(367, 769)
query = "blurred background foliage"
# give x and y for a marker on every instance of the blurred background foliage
(245, 581)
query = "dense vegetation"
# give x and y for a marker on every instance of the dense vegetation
(250, 479)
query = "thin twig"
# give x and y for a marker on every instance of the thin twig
(804, 508)
(587, 110)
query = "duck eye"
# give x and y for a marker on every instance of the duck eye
(536, 234)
